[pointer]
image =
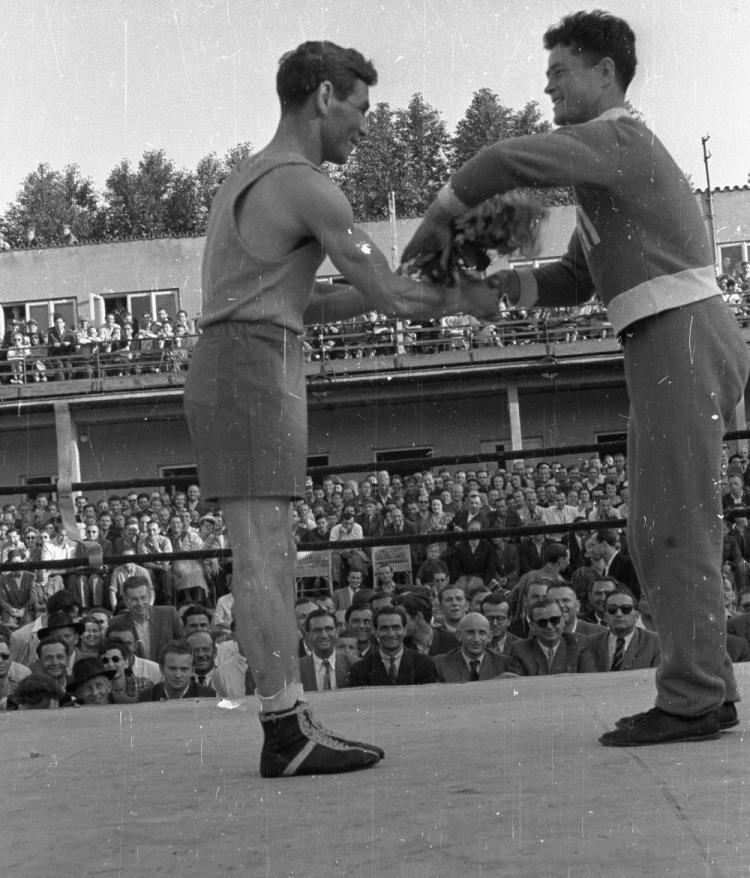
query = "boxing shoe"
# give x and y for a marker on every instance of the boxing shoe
(728, 718)
(294, 743)
(656, 726)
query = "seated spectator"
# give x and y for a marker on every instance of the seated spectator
(11, 673)
(53, 654)
(114, 658)
(472, 562)
(529, 592)
(176, 665)
(496, 610)
(324, 669)
(421, 636)
(549, 649)
(35, 692)
(601, 587)
(160, 572)
(358, 618)
(624, 646)
(91, 639)
(347, 644)
(123, 572)
(17, 594)
(203, 646)
(472, 660)
(565, 595)
(91, 683)
(453, 607)
(392, 664)
(434, 563)
(140, 673)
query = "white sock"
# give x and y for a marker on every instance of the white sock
(284, 699)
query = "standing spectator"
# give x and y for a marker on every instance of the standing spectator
(155, 543)
(61, 343)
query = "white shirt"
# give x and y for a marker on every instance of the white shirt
(612, 644)
(320, 671)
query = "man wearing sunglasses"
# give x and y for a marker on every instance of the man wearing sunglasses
(624, 646)
(549, 649)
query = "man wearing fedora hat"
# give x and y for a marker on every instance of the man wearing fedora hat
(91, 683)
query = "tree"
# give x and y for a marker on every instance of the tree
(155, 199)
(49, 200)
(486, 121)
(404, 153)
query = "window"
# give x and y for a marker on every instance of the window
(396, 460)
(731, 255)
(187, 470)
(317, 460)
(43, 312)
(138, 303)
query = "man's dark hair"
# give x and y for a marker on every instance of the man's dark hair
(133, 582)
(174, 647)
(52, 638)
(495, 599)
(597, 35)
(302, 70)
(541, 604)
(607, 536)
(317, 614)
(355, 608)
(194, 610)
(63, 602)
(621, 588)
(118, 645)
(415, 604)
(390, 610)
(554, 553)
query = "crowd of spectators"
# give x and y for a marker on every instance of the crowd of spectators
(127, 345)
(122, 345)
(470, 609)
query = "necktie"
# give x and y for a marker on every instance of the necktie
(617, 657)
(326, 674)
(474, 668)
(201, 679)
(392, 670)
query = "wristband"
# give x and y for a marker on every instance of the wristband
(450, 202)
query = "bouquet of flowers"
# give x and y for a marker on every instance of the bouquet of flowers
(504, 224)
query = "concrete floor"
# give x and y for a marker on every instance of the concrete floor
(502, 778)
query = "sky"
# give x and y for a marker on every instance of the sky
(90, 82)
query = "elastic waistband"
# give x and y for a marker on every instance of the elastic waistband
(249, 329)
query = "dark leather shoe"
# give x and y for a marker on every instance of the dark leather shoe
(294, 743)
(728, 718)
(658, 727)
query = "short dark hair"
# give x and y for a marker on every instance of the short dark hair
(302, 70)
(555, 552)
(390, 610)
(541, 604)
(52, 638)
(607, 536)
(133, 582)
(355, 608)
(597, 35)
(115, 644)
(62, 602)
(317, 614)
(494, 599)
(621, 588)
(415, 604)
(176, 647)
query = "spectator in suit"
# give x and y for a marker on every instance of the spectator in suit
(421, 636)
(11, 673)
(140, 673)
(203, 646)
(346, 596)
(549, 649)
(475, 511)
(17, 593)
(601, 587)
(358, 618)
(176, 664)
(153, 626)
(624, 646)
(324, 669)
(532, 591)
(472, 660)
(531, 553)
(62, 346)
(496, 610)
(370, 520)
(473, 560)
(565, 595)
(392, 664)
(453, 606)
(434, 562)
(617, 565)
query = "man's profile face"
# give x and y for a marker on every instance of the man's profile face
(346, 124)
(176, 670)
(302, 611)
(599, 592)
(573, 86)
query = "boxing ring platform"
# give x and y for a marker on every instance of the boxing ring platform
(499, 778)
